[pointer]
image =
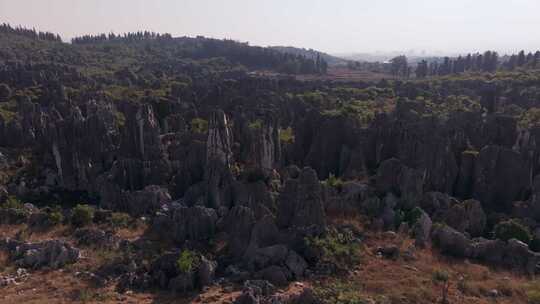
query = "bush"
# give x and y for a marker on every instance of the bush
(255, 125)
(187, 261)
(334, 182)
(120, 220)
(512, 229)
(82, 215)
(199, 125)
(440, 276)
(13, 203)
(412, 216)
(286, 136)
(339, 249)
(55, 218)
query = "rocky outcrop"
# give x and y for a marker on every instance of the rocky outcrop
(467, 216)
(348, 200)
(300, 203)
(97, 238)
(500, 177)
(219, 144)
(52, 254)
(422, 230)
(512, 254)
(165, 274)
(140, 138)
(137, 203)
(182, 223)
(238, 224)
(264, 143)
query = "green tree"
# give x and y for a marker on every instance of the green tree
(399, 66)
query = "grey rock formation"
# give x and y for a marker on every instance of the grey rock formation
(300, 204)
(52, 254)
(467, 216)
(422, 230)
(500, 177)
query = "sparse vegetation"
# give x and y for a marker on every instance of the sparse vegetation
(532, 291)
(13, 203)
(334, 182)
(340, 249)
(187, 261)
(512, 229)
(199, 125)
(82, 215)
(255, 125)
(286, 136)
(340, 292)
(55, 217)
(442, 278)
(120, 220)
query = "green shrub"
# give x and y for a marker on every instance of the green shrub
(340, 249)
(187, 261)
(255, 125)
(532, 291)
(440, 276)
(286, 136)
(120, 220)
(334, 182)
(82, 215)
(55, 218)
(199, 125)
(512, 229)
(13, 203)
(412, 216)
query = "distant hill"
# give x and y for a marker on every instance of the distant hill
(311, 54)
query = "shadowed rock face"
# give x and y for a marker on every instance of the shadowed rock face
(300, 204)
(219, 143)
(500, 177)
(141, 135)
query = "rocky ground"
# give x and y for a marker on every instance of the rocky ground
(402, 274)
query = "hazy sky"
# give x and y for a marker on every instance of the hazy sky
(337, 26)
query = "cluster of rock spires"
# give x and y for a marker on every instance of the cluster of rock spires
(52, 254)
(234, 177)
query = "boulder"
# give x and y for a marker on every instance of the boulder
(467, 216)
(266, 256)
(296, 264)
(193, 223)
(206, 272)
(276, 275)
(452, 242)
(97, 238)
